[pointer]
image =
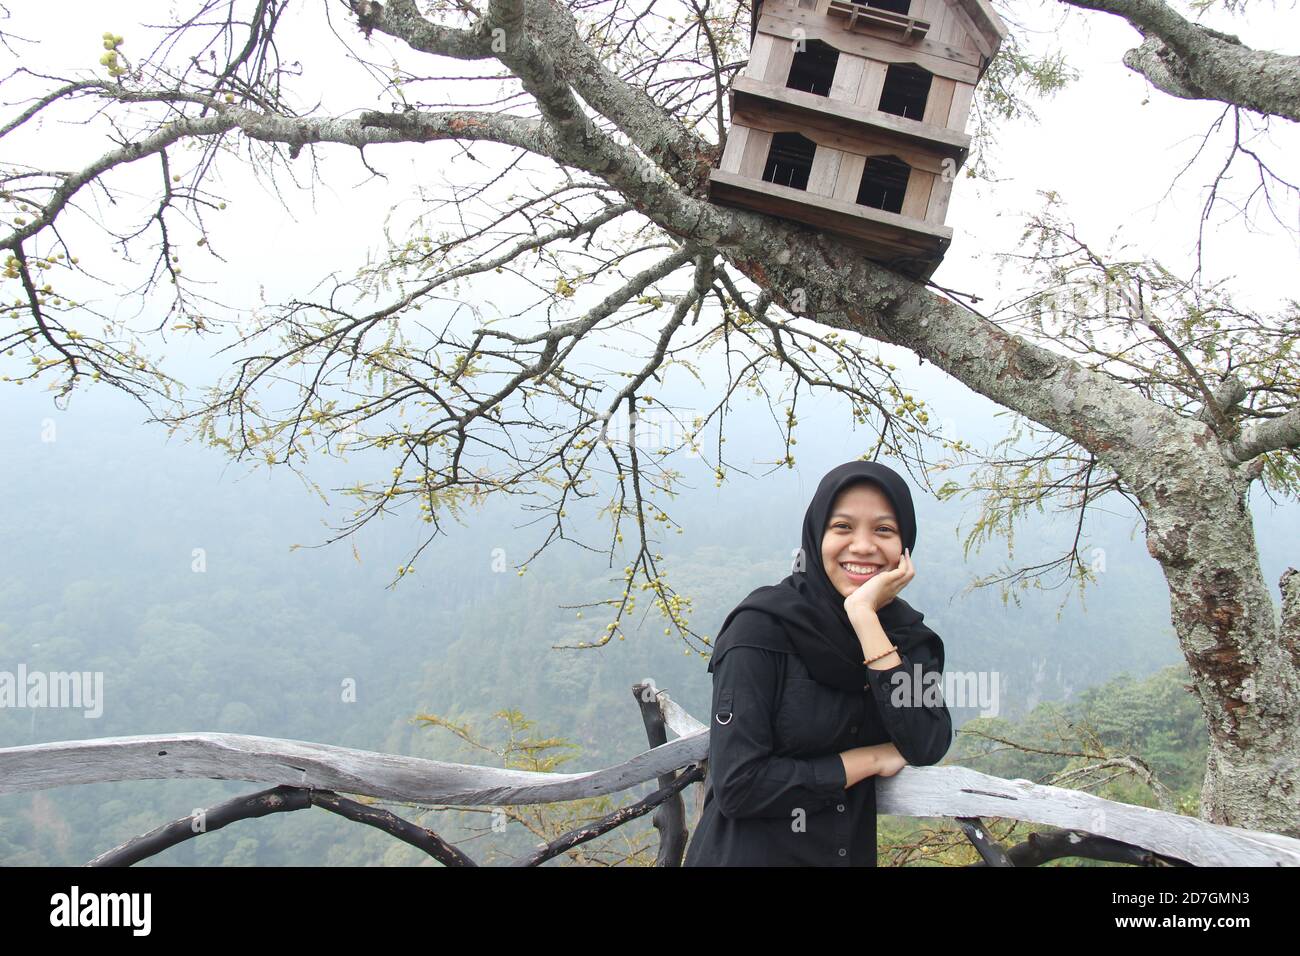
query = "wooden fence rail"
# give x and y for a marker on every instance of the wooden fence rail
(313, 774)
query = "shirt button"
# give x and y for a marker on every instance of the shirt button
(843, 852)
(840, 808)
(853, 730)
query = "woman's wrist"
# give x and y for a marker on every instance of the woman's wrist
(871, 760)
(875, 642)
(859, 763)
(863, 612)
(867, 626)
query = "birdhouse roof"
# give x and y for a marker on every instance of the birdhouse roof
(981, 14)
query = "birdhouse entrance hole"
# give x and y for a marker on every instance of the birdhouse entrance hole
(907, 87)
(813, 68)
(789, 161)
(884, 183)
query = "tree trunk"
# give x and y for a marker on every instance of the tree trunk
(1245, 666)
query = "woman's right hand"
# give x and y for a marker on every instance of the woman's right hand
(876, 760)
(880, 589)
(888, 760)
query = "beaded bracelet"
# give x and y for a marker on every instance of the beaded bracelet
(891, 650)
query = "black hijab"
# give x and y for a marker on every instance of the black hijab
(809, 614)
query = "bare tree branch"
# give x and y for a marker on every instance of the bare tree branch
(1195, 62)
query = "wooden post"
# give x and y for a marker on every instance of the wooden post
(670, 818)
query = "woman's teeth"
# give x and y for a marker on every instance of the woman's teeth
(860, 570)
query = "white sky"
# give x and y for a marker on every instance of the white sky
(1113, 159)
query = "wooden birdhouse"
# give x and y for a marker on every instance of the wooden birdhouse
(851, 117)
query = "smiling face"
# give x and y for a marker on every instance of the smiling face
(862, 531)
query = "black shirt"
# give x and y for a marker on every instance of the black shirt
(776, 792)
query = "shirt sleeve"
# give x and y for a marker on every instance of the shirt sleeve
(748, 780)
(913, 710)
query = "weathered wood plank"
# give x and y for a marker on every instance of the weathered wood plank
(929, 10)
(780, 58)
(961, 792)
(913, 791)
(939, 18)
(759, 53)
(959, 112)
(848, 78)
(675, 717)
(850, 177)
(986, 20)
(940, 193)
(873, 84)
(825, 169)
(938, 105)
(964, 33)
(670, 817)
(912, 236)
(304, 764)
(757, 145)
(734, 152)
(678, 720)
(917, 198)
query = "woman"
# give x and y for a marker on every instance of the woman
(806, 708)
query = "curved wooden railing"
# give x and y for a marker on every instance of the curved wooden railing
(303, 774)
